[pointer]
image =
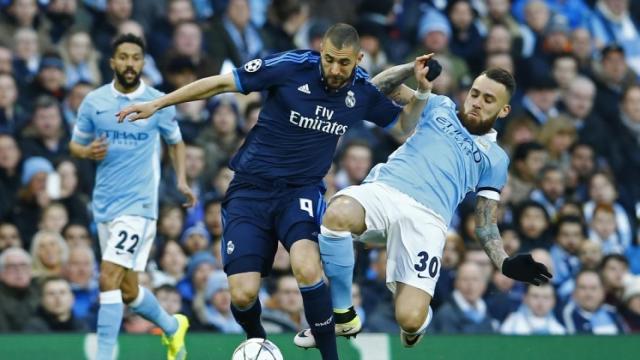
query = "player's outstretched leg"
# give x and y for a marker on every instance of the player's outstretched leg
(305, 263)
(144, 303)
(413, 313)
(111, 307)
(245, 304)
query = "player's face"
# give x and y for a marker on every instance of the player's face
(127, 63)
(487, 100)
(338, 64)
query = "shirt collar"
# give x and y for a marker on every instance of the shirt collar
(132, 95)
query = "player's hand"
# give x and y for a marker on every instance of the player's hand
(137, 111)
(97, 150)
(523, 268)
(420, 70)
(186, 191)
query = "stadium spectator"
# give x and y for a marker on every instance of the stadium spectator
(603, 230)
(6, 59)
(71, 196)
(526, 162)
(81, 272)
(631, 309)
(466, 37)
(612, 77)
(550, 190)
(533, 224)
(570, 235)
(285, 20)
(283, 312)
(614, 270)
(540, 98)
(54, 218)
(105, 26)
(557, 135)
(212, 309)
(187, 42)
(564, 70)
(164, 27)
(49, 80)
(32, 197)
(195, 239)
(49, 253)
(535, 316)
(169, 298)
(55, 311)
(172, 262)
(499, 40)
(590, 255)
(66, 15)
(355, 163)
(80, 59)
(587, 313)
(452, 255)
(72, 101)
(498, 14)
(26, 56)
(213, 216)
(76, 235)
(9, 173)
(150, 72)
(11, 114)
(582, 49)
(170, 223)
(200, 266)
(376, 300)
(466, 312)
(194, 166)
(24, 14)
(9, 236)
(582, 167)
(503, 296)
(46, 136)
(536, 18)
(19, 295)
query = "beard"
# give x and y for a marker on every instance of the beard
(128, 84)
(477, 127)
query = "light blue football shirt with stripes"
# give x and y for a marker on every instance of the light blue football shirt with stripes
(441, 162)
(127, 178)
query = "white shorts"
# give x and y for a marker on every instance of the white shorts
(127, 241)
(414, 234)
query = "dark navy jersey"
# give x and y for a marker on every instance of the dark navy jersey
(302, 119)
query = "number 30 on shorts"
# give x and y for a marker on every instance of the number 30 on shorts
(424, 263)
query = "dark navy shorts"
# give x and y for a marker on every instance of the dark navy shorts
(255, 218)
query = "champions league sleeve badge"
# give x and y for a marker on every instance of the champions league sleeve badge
(253, 65)
(350, 100)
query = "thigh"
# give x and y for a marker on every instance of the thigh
(375, 201)
(127, 241)
(248, 240)
(411, 298)
(299, 214)
(415, 242)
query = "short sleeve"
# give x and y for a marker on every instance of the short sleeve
(84, 130)
(168, 125)
(382, 111)
(493, 179)
(263, 73)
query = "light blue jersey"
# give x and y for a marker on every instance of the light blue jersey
(127, 178)
(441, 162)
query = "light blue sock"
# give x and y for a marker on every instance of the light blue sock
(336, 250)
(109, 320)
(147, 306)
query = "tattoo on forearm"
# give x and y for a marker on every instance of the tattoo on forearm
(390, 79)
(487, 230)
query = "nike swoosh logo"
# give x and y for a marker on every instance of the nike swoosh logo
(422, 277)
(412, 341)
(101, 112)
(343, 331)
(119, 252)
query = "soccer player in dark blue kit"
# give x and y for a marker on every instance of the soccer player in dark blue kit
(277, 191)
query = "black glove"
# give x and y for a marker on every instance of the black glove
(434, 69)
(523, 268)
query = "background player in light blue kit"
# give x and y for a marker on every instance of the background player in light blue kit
(125, 198)
(409, 201)
(277, 191)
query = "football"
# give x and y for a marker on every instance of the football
(257, 349)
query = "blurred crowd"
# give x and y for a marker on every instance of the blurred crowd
(572, 199)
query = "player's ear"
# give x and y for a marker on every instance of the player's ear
(360, 56)
(504, 111)
(112, 64)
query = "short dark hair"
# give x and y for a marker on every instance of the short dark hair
(343, 35)
(127, 38)
(613, 257)
(503, 77)
(571, 219)
(45, 102)
(523, 150)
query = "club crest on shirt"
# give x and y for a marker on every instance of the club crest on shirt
(350, 100)
(253, 65)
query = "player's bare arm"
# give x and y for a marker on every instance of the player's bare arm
(177, 155)
(96, 150)
(520, 267)
(487, 232)
(197, 90)
(390, 83)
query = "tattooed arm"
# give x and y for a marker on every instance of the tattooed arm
(390, 82)
(487, 230)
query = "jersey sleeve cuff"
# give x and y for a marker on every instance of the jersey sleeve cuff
(236, 79)
(81, 137)
(174, 138)
(489, 193)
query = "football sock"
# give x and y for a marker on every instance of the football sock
(336, 250)
(109, 320)
(148, 307)
(249, 319)
(317, 310)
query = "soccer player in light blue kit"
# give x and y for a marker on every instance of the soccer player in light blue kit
(409, 201)
(125, 198)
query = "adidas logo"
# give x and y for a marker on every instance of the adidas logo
(305, 89)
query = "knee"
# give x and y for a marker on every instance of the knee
(243, 296)
(129, 294)
(110, 279)
(306, 272)
(341, 215)
(411, 320)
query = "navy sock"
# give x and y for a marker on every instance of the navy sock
(249, 319)
(319, 314)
